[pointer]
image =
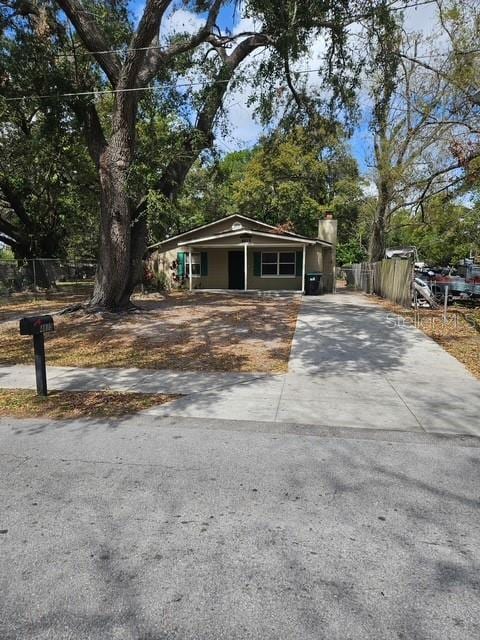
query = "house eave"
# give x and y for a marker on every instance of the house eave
(210, 224)
(280, 239)
(292, 236)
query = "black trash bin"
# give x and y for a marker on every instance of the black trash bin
(313, 283)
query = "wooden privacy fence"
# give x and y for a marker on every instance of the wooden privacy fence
(391, 279)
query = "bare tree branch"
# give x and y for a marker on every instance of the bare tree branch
(474, 98)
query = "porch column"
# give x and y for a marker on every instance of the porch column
(190, 268)
(245, 266)
(303, 268)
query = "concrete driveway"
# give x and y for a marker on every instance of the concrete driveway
(352, 365)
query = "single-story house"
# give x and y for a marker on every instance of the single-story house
(240, 253)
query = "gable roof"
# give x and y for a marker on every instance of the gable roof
(242, 232)
(269, 227)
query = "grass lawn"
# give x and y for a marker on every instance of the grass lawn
(457, 335)
(68, 405)
(186, 331)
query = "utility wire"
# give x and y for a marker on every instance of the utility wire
(178, 86)
(133, 89)
(124, 50)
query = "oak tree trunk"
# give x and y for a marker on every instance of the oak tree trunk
(115, 279)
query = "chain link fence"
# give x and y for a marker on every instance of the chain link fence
(43, 274)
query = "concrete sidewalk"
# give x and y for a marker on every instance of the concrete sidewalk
(351, 365)
(141, 380)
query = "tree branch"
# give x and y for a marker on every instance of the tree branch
(14, 200)
(290, 84)
(93, 38)
(147, 31)
(157, 57)
(8, 229)
(473, 98)
(200, 137)
(7, 240)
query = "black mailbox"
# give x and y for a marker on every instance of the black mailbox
(36, 325)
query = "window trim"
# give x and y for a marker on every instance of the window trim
(187, 264)
(278, 274)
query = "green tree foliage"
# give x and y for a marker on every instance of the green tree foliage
(297, 176)
(48, 206)
(290, 177)
(207, 195)
(351, 252)
(48, 194)
(444, 234)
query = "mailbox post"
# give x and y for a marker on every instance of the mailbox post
(37, 326)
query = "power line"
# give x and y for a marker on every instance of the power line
(133, 89)
(66, 54)
(181, 85)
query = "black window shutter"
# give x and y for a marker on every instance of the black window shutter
(204, 263)
(298, 263)
(257, 263)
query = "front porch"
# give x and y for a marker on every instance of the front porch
(249, 263)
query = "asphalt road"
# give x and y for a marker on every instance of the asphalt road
(174, 528)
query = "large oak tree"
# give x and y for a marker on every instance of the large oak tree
(128, 57)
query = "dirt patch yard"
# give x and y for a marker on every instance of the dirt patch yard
(186, 331)
(68, 405)
(20, 304)
(459, 335)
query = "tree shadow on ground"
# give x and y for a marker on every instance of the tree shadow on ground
(218, 333)
(343, 334)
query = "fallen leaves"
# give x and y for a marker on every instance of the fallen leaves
(19, 304)
(198, 332)
(68, 405)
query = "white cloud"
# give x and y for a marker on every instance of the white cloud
(246, 25)
(181, 21)
(370, 189)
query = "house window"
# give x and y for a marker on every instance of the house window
(196, 262)
(278, 263)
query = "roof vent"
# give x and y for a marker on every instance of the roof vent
(236, 226)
